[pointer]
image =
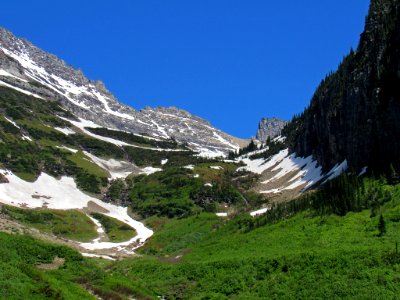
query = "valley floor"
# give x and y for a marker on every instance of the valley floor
(207, 257)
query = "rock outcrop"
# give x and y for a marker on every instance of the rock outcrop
(269, 127)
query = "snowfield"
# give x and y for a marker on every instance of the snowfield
(304, 171)
(63, 194)
(260, 165)
(116, 168)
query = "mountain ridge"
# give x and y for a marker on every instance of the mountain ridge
(91, 100)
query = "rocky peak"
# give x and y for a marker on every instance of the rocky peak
(269, 127)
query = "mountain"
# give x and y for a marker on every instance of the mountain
(269, 127)
(353, 116)
(26, 67)
(75, 163)
(83, 180)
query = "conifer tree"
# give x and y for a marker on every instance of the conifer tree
(394, 176)
(381, 226)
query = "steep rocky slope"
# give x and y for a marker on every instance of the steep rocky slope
(354, 114)
(26, 67)
(269, 127)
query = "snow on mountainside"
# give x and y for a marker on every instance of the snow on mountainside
(31, 70)
(63, 194)
(286, 175)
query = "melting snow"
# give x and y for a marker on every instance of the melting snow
(363, 171)
(224, 141)
(337, 170)
(260, 165)
(66, 131)
(308, 172)
(64, 194)
(26, 138)
(222, 214)
(97, 256)
(107, 109)
(19, 90)
(216, 167)
(305, 169)
(279, 138)
(259, 212)
(86, 123)
(116, 168)
(5, 73)
(67, 148)
(150, 170)
(12, 122)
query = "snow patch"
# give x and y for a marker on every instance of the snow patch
(5, 73)
(26, 138)
(337, 170)
(150, 170)
(97, 256)
(363, 171)
(216, 167)
(12, 122)
(67, 148)
(19, 90)
(222, 214)
(64, 194)
(66, 131)
(259, 212)
(260, 165)
(116, 168)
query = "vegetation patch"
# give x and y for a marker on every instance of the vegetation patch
(307, 255)
(116, 230)
(20, 277)
(70, 224)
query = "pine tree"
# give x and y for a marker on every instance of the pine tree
(381, 226)
(394, 176)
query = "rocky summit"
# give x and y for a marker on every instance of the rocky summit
(269, 127)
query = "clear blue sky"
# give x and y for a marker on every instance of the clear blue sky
(230, 62)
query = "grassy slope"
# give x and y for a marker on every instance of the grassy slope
(20, 279)
(305, 256)
(206, 257)
(70, 224)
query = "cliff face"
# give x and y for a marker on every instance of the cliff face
(355, 112)
(269, 127)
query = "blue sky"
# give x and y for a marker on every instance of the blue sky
(230, 62)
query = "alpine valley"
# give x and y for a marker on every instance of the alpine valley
(102, 201)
